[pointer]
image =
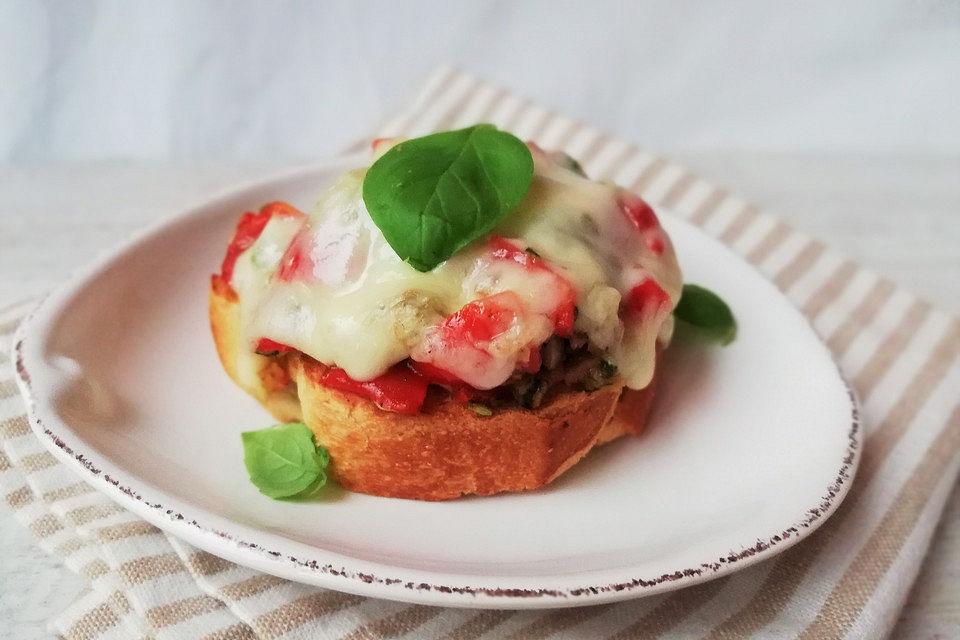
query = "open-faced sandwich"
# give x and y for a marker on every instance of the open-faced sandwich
(469, 315)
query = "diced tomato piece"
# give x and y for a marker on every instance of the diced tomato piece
(481, 320)
(464, 394)
(266, 345)
(248, 230)
(639, 212)
(296, 261)
(400, 389)
(646, 297)
(655, 244)
(279, 208)
(503, 249)
(377, 142)
(563, 315)
(534, 362)
(462, 343)
(462, 340)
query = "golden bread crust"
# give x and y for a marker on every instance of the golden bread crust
(445, 451)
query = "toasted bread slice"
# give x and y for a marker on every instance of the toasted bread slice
(444, 452)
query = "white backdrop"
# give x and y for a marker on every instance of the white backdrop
(270, 82)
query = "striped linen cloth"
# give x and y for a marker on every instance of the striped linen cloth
(848, 580)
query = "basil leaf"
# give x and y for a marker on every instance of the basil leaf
(283, 460)
(434, 195)
(704, 309)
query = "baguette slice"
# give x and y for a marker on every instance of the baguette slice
(444, 452)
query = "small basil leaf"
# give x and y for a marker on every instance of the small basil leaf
(314, 486)
(434, 195)
(704, 309)
(283, 460)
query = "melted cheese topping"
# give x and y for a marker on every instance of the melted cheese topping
(330, 286)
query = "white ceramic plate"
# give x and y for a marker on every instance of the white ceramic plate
(749, 449)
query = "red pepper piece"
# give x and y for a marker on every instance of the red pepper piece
(465, 335)
(563, 315)
(296, 261)
(266, 345)
(249, 228)
(639, 212)
(503, 249)
(646, 297)
(280, 208)
(463, 394)
(400, 389)
(655, 244)
(481, 320)
(534, 362)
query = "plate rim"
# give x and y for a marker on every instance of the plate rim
(187, 523)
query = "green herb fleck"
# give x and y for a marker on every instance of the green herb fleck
(607, 369)
(283, 461)
(705, 310)
(529, 392)
(434, 195)
(480, 409)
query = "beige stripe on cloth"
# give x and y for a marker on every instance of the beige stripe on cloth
(295, 614)
(865, 572)
(671, 612)
(898, 352)
(396, 625)
(8, 388)
(166, 615)
(830, 289)
(68, 508)
(708, 206)
(236, 631)
(207, 564)
(791, 568)
(93, 623)
(739, 224)
(249, 587)
(844, 336)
